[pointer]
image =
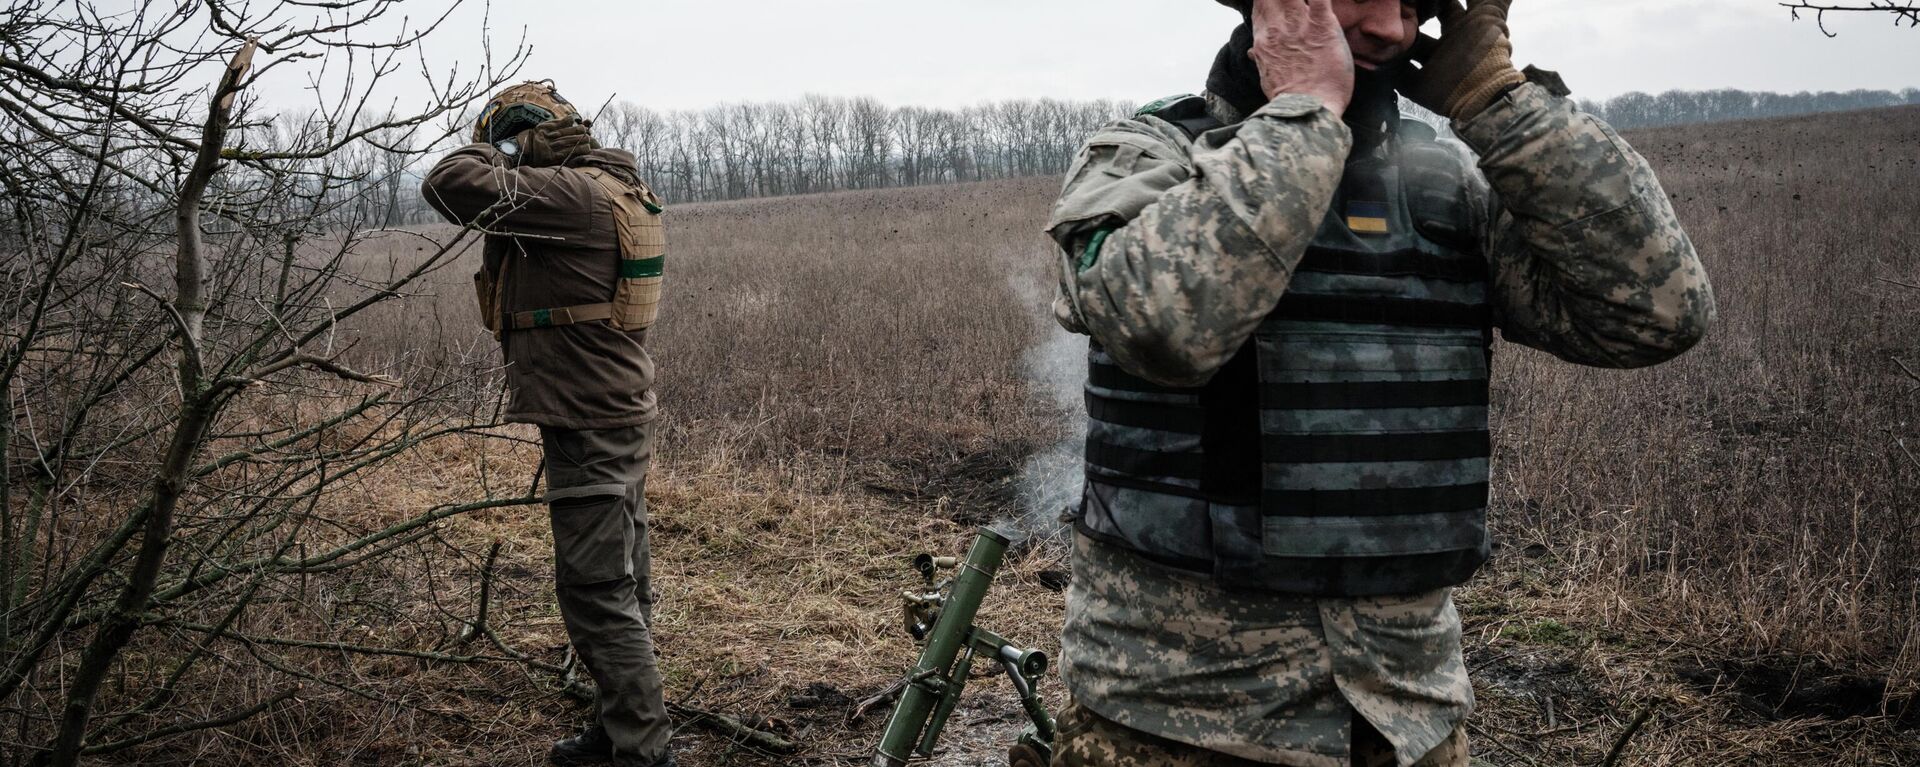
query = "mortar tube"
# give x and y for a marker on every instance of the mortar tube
(944, 642)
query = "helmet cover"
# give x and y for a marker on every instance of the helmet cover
(518, 108)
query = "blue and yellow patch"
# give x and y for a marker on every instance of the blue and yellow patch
(1367, 217)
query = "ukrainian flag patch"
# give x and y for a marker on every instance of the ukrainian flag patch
(1367, 217)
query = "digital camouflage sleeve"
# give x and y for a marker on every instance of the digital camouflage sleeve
(1173, 252)
(1589, 261)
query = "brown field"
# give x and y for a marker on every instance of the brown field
(1728, 542)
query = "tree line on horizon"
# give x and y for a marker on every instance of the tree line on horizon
(824, 144)
(1645, 110)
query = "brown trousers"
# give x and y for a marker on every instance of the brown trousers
(1087, 739)
(596, 482)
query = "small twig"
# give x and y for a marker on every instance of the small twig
(1620, 744)
(398, 230)
(538, 469)
(312, 361)
(725, 725)
(1905, 369)
(188, 342)
(479, 625)
(880, 698)
(732, 728)
(232, 717)
(345, 647)
(1487, 737)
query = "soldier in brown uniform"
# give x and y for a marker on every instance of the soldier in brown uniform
(1291, 296)
(569, 285)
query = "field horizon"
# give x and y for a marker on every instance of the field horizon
(1717, 541)
(1715, 561)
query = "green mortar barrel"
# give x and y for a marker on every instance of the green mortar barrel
(928, 681)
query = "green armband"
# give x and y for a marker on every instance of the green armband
(1092, 253)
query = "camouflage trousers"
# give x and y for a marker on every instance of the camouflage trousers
(596, 482)
(1087, 739)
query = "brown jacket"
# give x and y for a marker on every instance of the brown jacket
(553, 229)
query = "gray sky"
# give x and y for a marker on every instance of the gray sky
(679, 54)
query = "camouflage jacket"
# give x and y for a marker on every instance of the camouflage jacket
(1587, 258)
(1172, 253)
(556, 228)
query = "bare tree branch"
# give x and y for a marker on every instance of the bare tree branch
(135, 484)
(1905, 12)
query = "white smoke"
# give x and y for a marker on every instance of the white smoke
(1056, 373)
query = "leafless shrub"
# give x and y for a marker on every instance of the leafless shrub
(170, 452)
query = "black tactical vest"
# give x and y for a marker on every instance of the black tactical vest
(1344, 450)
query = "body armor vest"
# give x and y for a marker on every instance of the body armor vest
(1344, 450)
(635, 303)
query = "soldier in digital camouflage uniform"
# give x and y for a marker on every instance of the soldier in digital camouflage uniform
(570, 283)
(1291, 295)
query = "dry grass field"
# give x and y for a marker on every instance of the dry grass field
(1724, 548)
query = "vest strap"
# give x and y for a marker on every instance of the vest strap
(1376, 448)
(565, 315)
(1159, 416)
(1240, 563)
(1106, 375)
(1194, 126)
(1311, 307)
(1405, 263)
(1372, 395)
(1374, 503)
(1145, 463)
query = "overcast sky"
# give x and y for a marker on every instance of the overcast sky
(679, 54)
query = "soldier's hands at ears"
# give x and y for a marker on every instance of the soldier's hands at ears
(1298, 47)
(1471, 63)
(554, 142)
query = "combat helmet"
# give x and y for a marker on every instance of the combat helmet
(518, 108)
(1428, 8)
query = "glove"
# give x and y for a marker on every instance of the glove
(554, 142)
(1470, 65)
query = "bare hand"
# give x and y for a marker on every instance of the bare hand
(1299, 47)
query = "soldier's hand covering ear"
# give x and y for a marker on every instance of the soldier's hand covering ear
(1299, 48)
(554, 142)
(1469, 66)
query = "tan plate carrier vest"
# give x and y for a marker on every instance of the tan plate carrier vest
(636, 296)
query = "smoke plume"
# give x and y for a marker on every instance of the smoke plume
(1056, 372)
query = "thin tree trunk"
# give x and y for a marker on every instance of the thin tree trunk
(199, 404)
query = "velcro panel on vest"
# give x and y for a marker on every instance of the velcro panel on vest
(1374, 377)
(643, 248)
(1193, 534)
(1142, 433)
(1172, 529)
(1433, 179)
(1345, 449)
(1365, 422)
(486, 291)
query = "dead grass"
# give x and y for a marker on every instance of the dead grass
(1755, 493)
(843, 385)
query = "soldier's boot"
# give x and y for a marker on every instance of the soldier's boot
(593, 747)
(590, 747)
